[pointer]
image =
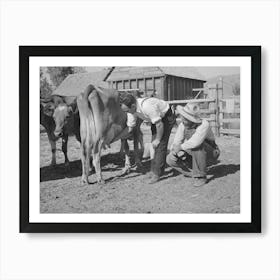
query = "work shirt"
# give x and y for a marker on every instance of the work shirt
(151, 109)
(202, 132)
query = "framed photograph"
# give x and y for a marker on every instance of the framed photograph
(135, 139)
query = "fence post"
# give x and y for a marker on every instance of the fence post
(217, 130)
(221, 105)
(221, 117)
(212, 106)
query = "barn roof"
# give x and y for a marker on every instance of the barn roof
(185, 72)
(128, 73)
(74, 84)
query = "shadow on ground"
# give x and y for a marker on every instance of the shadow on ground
(60, 171)
(223, 170)
(216, 171)
(109, 162)
(115, 162)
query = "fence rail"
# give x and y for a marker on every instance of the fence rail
(230, 131)
(191, 100)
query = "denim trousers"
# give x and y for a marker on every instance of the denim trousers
(158, 162)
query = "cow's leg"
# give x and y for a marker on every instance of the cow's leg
(122, 147)
(138, 139)
(127, 165)
(140, 134)
(96, 161)
(141, 141)
(64, 148)
(136, 150)
(53, 147)
(85, 156)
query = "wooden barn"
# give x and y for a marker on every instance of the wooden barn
(168, 83)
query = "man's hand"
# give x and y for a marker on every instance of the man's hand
(155, 143)
(177, 148)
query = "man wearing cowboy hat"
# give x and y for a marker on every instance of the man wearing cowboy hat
(159, 114)
(193, 145)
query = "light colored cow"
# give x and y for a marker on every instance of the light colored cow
(101, 122)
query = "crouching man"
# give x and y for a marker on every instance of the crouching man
(194, 145)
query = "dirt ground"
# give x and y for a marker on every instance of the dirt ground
(61, 191)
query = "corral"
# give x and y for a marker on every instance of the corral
(60, 188)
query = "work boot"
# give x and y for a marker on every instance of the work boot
(153, 179)
(199, 182)
(150, 174)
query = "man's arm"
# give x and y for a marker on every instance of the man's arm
(178, 138)
(159, 134)
(197, 138)
(127, 132)
(124, 134)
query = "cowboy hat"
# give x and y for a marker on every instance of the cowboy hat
(190, 112)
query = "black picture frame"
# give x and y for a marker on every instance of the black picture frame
(254, 52)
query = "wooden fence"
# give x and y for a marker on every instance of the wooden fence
(230, 116)
(223, 114)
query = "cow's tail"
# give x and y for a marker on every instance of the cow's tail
(97, 108)
(91, 106)
(86, 115)
(88, 91)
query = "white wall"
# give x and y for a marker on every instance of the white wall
(139, 256)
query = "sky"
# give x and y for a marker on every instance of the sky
(207, 72)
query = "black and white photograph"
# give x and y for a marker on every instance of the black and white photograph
(140, 139)
(125, 130)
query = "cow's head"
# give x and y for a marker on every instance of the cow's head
(62, 116)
